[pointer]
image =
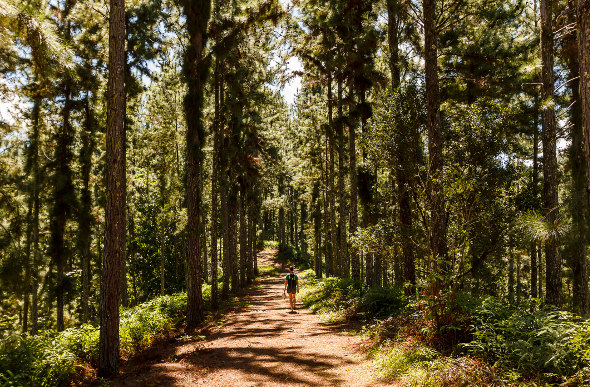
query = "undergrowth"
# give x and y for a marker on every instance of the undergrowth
(52, 359)
(455, 339)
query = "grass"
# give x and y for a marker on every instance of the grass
(269, 271)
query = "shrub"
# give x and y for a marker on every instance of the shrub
(381, 303)
(413, 364)
(49, 360)
(35, 361)
(529, 338)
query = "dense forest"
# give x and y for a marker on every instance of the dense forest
(439, 148)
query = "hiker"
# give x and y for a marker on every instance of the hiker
(291, 287)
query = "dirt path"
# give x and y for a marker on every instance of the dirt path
(258, 345)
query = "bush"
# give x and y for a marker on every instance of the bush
(347, 298)
(381, 303)
(529, 338)
(49, 360)
(293, 256)
(35, 361)
(413, 364)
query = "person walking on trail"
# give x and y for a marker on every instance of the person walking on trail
(291, 287)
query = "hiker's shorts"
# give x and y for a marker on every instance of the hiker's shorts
(292, 290)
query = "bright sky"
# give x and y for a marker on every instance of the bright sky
(289, 92)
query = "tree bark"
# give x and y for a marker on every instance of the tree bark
(332, 188)
(108, 363)
(534, 251)
(85, 216)
(342, 212)
(550, 183)
(214, 189)
(354, 258)
(197, 13)
(579, 210)
(438, 238)
(583, 26)
(243, 238)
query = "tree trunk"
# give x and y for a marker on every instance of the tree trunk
(403, 148)
(162, 260)
(393, 25)
(108, 363)
(511, 273)
(342, 212)
(317, 230)
(224, 189)
(583, 26)
(243, 238)
(332, 189)
(354, 259)
(438, 237)
(282, 236)
(214, 188)
(204, 247)
(534, 251)
(63, 200)
(34, 149)
(550, 183)
(28, 267)
(578, 209)
(85, 216)
(233, 234)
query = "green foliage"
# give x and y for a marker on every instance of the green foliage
(294, 256)
(345, 298)
(530, 338)
(381, 303)
(268, 271)
(49, 360)
(415, 365)
(35, 361)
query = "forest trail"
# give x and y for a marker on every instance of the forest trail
(257, 345)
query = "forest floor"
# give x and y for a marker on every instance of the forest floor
(256, 344)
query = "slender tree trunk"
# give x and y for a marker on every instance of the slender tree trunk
(511, 273)
(162, 260)
(28, 267)
(403, 148)
(243, 238)
(214, 189)
(438, 238)
(108, 363)
(354, 258)
(63, 200)
(233, 234)
(332, 189)
(518, 279)
(579, 210)
(534, 251)
(343, 213)
(550, 183)
(393, 25)
(34, 149)
(317, 228)
(85, 216)
(282, 242)
(583, 27)
(224, 189)
(204, 247)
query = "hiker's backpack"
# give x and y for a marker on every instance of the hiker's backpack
(291, 281)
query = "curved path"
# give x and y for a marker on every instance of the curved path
(257, 345)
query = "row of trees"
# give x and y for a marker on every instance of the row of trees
(411, 156)
(433, 136)
(118, 181)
